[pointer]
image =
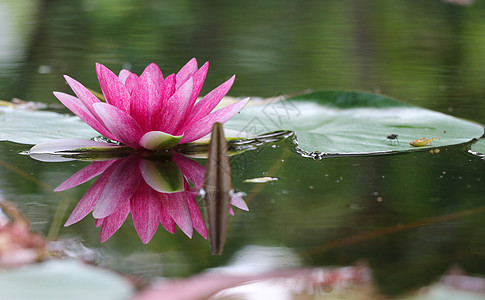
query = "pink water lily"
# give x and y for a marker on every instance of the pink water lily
(151, 111)
(155, 191)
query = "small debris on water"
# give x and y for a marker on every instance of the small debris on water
(422, 142)
(261, 179)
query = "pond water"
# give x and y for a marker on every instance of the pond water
(409, 216)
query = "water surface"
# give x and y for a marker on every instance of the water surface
(410, 216)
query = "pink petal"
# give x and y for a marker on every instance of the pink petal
(199, 78)
(131, 83)
(146, 97)
(184, 74)
(84, 95)
(175, 108)
(166, 219)
(208, 103)
(146, 211)
(168, 88)
(191, 169)
(195, 214)
(120, 187)
(177, 207)
(114, 90)
(76, 106)
(124, 74)
(113, 222)
(85, 174)
(204, 126)
(238, 201)
(88, 201)
(123, 127)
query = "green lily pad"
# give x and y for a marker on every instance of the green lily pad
(59, 279)
(333, 122)
(34, 127)
(354, 123)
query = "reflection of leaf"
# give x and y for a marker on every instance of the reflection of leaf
(478, 148)
(63, 280)
(353, 122)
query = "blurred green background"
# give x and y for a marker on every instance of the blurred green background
(426, 52)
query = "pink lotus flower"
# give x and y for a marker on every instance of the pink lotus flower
(154, 191)
(150, 111)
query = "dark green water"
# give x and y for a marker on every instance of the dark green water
(410, 216)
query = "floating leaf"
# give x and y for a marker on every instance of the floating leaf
(334, 122)
(353, 123)
(33, 127)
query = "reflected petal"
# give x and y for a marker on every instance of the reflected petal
(162, 176)
(85, 174)
(146, 211)
(196, 214)
(113, 222)
(88, 201)
(121, 186)
(191, 169)
(167, 222)
(238, 201)
(177, 207)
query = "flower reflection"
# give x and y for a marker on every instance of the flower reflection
(155, 189)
